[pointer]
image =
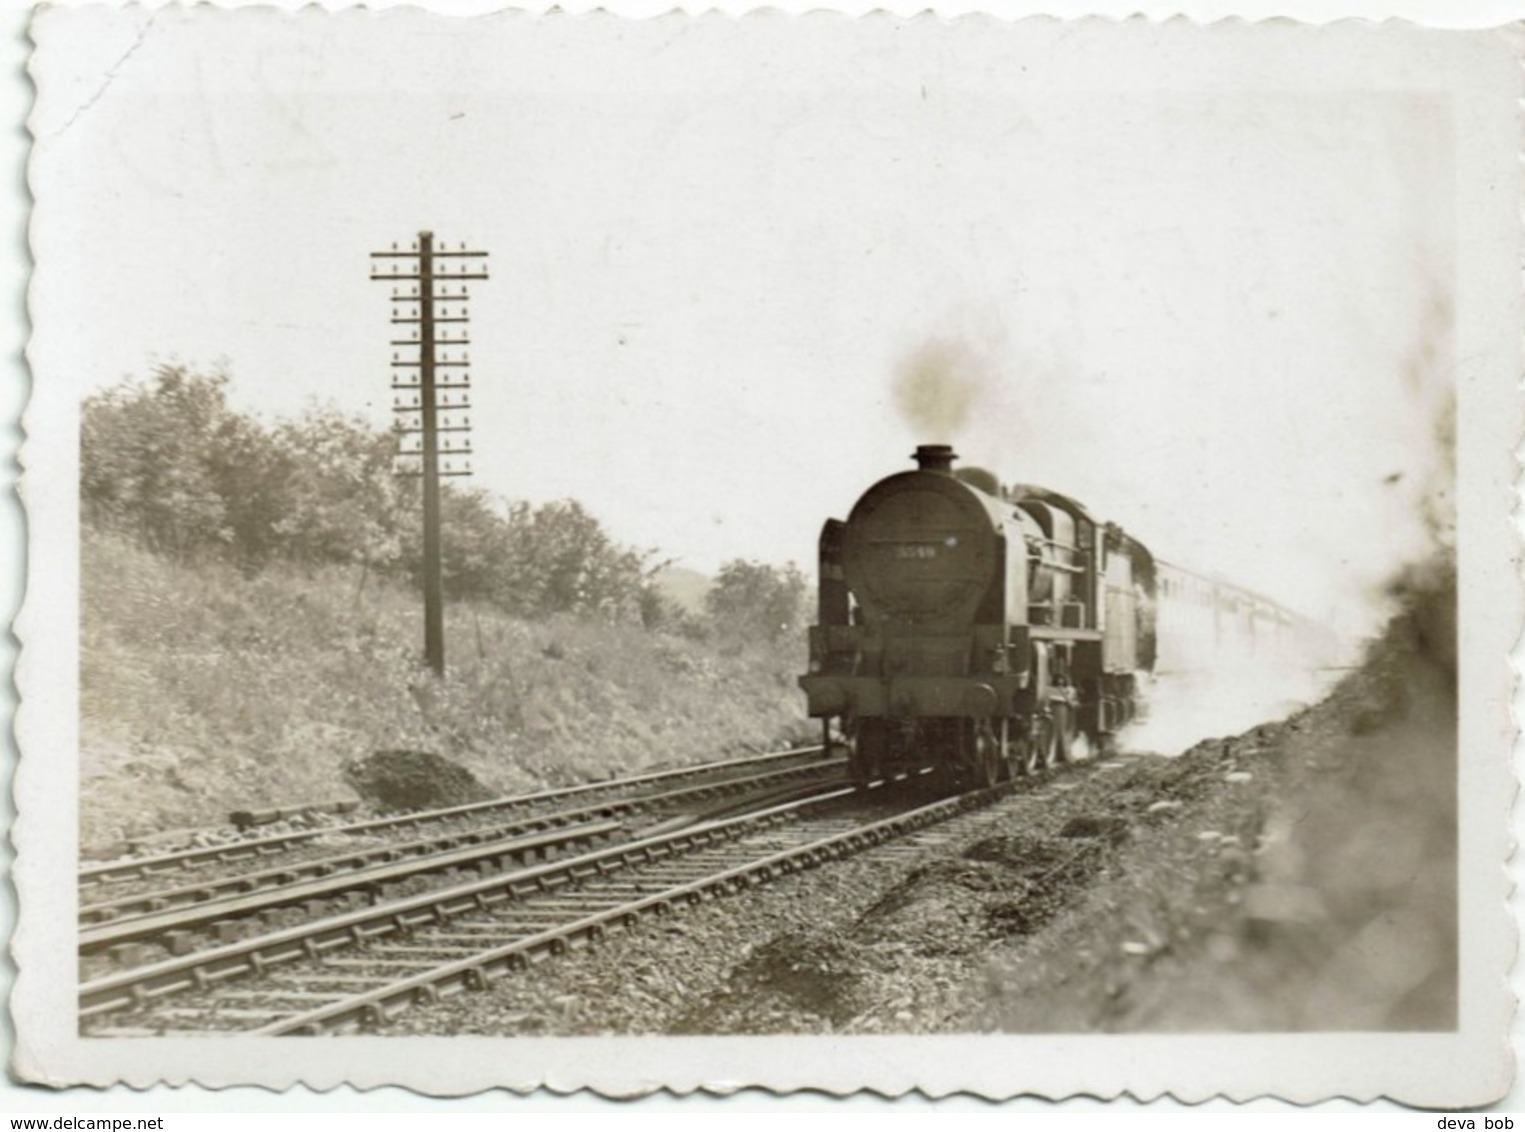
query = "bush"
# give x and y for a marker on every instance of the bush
(753, 601)
(151, 460)
(169, 463)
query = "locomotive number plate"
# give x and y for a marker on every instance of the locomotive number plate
(915, 550)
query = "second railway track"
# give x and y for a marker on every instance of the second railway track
(132, 929)
(719, 777)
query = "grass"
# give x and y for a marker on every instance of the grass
(203, 690)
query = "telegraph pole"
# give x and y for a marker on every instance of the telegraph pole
(429, 403)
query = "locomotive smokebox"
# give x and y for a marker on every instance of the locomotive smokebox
(935, 458)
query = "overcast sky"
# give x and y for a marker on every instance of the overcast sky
(739, 271)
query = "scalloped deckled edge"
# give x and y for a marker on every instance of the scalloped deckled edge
(30, 627)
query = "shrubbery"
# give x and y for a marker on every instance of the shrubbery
(168, 462)
(756, 601)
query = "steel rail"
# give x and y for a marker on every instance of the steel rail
(141, 986)
(493, 854)
(128, 868)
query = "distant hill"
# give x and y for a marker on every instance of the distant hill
(684, 586)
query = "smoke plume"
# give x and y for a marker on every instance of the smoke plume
(938, 385)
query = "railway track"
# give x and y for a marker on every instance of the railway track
(139, 874)
(359, 969)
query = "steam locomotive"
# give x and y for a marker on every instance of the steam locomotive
(979, 632)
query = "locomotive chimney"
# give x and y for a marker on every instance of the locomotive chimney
(935, 458)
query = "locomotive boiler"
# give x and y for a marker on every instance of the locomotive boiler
(973, 631)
